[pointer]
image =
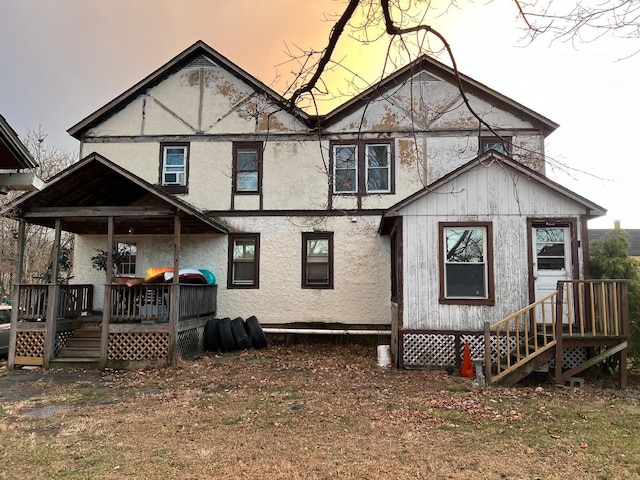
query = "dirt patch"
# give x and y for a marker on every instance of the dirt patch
(310, 411)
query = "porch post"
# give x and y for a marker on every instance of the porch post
(15, 297)
(558, 334)
(53, 300)
(174, 303)
(106, 306)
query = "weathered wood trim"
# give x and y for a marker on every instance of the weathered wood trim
(106, 311)
(73, 212)
(15, 296)
(174, 303)
(53, 297)
(294, 213)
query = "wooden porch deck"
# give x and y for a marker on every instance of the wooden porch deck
(138, 325)
(580, 314)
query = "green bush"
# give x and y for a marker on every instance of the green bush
(609, 258)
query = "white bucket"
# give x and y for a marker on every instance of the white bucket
(384, 355)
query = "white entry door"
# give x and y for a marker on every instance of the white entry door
(552, 261)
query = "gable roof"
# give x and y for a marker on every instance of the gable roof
(85, 194)
(592, 209)
(180, 61)
(13, 154)
(440, 70)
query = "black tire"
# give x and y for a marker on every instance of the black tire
(258, 339)
(212, 340)
(225, 336)
(240, 334)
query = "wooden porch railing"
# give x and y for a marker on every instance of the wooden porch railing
(516, 337)
(74, 301)
(150, 303)
(584, 311)
(596, 308)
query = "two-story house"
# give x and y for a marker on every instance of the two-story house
(397, 211)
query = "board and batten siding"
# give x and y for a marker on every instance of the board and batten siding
(494, 193)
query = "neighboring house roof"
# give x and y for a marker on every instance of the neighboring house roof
(87, 192)
(183, 59)
(13, 154)
(634, 248)
(591, 209)
(442, 71)
(423, 63)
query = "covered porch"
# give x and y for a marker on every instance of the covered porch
(140, 323)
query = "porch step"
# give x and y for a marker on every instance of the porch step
(84, 343)
(80, 362)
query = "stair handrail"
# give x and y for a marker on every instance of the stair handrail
(515, 328)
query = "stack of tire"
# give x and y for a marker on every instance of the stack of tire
(227, 335)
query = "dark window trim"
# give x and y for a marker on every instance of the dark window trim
(256, 260)
(490, 300)
(174, 189)
(361, 168)
(259, 147)
(316, 235)
(506, 140)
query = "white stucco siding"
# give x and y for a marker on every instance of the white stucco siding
(296, 175)
(140, 158)
(361, 293)
(426, 105)
(494, 194)
(199, 101)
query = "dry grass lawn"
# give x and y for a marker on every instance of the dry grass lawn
(309, 411)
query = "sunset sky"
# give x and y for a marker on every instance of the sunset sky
(64, 59)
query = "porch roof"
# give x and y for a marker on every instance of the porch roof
(87, 193)
(388, 218)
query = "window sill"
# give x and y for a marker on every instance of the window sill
(175, 189)
(467, 301)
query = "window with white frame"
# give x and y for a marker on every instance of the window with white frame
(362, 167)
(174, 165)
(127, 257)
(466, 263)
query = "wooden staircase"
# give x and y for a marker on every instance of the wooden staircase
(593, 314)
(82, 349)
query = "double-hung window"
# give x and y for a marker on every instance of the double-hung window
(127, 256)
(317, 260)
(244, 257)
(247, 167)
(174, 159)
(362, 168)
(466, 263)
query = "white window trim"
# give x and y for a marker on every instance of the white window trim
(181, 177)
(388, 167)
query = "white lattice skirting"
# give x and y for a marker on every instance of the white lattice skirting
(442, 349)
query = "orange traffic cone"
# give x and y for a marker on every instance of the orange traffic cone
(467, 367)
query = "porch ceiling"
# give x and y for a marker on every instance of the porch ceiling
(86, 194)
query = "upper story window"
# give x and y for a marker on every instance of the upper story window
(244, 257)
(500, 145)
(466, 266)
(362, 167)
(317, 260)
(174, 161)
(247, 168)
